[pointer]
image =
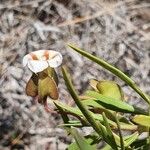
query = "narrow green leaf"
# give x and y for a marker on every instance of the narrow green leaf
(124, 123)
(63, 114)
(73, 146)
(114, 70)
(130, 139)
(142, 120)
(110, 133)
(66, 108)
(113, 104)
(98, 117)
(81, 141)
(110, 102)
(71, 125)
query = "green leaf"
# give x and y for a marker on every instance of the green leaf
(97, 108)
(71, 125)
(92, 139)
(93, 83)
(63, 115)
(140, 144)
(77, 113)
(110, 89)
(106, 147)
(130, 139)
(67, 108)
(142, 120)
(114, 70)
(110, 133)
(81, 141)
(73, 146)
(113, 104)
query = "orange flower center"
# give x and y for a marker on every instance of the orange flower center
(46, 54)
(34, 57)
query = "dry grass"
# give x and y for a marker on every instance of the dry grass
(118, 31)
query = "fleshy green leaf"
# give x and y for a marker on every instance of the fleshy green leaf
(81, 141)
(73, 146)
(124, 123)
(66, 108)
(77, 113)
(92, 139)
(113, 104)
(142, 120)
(110, 89)
(106, 147)
(71, 111)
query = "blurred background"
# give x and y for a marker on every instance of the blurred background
(117, 31)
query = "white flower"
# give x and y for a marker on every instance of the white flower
(39, 60)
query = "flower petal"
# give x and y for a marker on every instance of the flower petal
(37, 65)
(47, 87)
(55, 61)
(44, 54)
(39, 60)
(31, 87)
(26, 58)
(51, 73)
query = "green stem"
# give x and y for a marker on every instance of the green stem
(83, 109)
(139, 91)
(97, 126)
(114, 70)
(120, 134)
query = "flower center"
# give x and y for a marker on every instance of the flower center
(34, 57)
(46, 54)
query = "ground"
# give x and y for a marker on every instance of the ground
(116, 31)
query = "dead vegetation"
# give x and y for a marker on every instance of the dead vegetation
(117, 31)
